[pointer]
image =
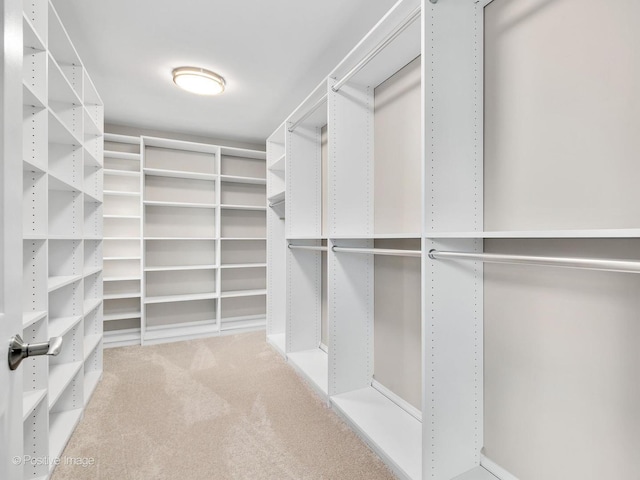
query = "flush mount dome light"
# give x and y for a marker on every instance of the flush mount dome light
(198, 80)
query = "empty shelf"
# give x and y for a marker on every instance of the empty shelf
(91, 380)
(29, 318)
(61, 325)
(60, 376)
(121, 279)
(54, 283)
(243, 265)
(243, 207)
(150, 203)
(90, 344)
(121, 316)
(179, 174)
(237, 179)
(120, 173)
(121, 155)
(92, 271)
(91, 304)
(181, 298)
(30, 400)
(243, 293)
(314, 365)
(175, 268)
(119, 296)
(279, 164)
(61, 426)
(118, 193)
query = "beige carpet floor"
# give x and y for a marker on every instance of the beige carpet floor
(219, 408)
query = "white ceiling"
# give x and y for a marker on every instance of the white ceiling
(271, 52)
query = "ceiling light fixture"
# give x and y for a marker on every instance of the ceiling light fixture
(198, 80)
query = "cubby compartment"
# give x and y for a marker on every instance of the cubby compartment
(178, 222)
(121, 308)
(242, 252)
(192, 317)
(34, 75)
(34, 370)
(243, 281)
(65, 258)
(178, 253)
(65, 210)
(35, 128)
(238, 163)
(92, 256)
(122, 227)
(66, 164)
(118, 161)
(94, 148)
(125, 268)
(122, 206)
(65, 54)
(92, 371)
(37, 14)
(122, 289)
(245, 312)
(122, 183)
(165, 189)
(93, 223)
(121, 248)
(66, 412)
(179, 285)
(245, 194)
(65, 309)
(243, 224)
(174, 160)
(93, 181)
(34, 201)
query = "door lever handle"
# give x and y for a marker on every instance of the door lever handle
(18, 350)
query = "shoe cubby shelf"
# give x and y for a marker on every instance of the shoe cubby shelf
(62, 233)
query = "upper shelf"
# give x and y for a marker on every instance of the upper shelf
(179, 174)
(279, 164)
(593, 233)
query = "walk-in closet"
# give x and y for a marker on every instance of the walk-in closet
(343, 239)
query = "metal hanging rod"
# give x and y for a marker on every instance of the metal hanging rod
(379, 251)
(308, 247)
(309, 112)
(415, 14)
(277, 203)
(624, 266)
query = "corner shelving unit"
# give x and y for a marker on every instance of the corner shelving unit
(62, 231)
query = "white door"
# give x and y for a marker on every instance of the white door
(10, 236)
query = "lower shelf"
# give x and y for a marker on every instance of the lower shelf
(477, 473)
(392, 433)
(30, 400)
(121, 338)
(59, 377)
(168, 333)
(313, 365)
(61, 426)
(278, 341)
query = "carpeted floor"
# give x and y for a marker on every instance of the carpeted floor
(219, 408)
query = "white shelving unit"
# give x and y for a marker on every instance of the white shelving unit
(168, 273)
(123, 240)
(494, 365)
(62, 232)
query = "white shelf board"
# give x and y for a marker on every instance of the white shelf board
(477, 473)
(30, 35)
(90, 344)
(120, 279)
(118, 138)
(34, 236)
(314, 365)
(93, 238)
(114, 259)
(277, 198)
(30, 400)
(61, 426)
(61, 325)
(92, 271)
(131, 217)
(180, 238)
(58, 184)
(246, 325)
(60, 376)
(247, 180)
(279, 164)
(121, 238)
(243, 152)
(91, 304)
(31, 98)
(109, 317)
(91, 198)
(91, 380)
(375, 236)
(29, 166)
(278, 340)
(180, 331)
(121, 296)
(54, 283)
(180, 298)
(151, 203)
(244, 238)
(156, 172)
(243, 265)
(243, 207)
(64, 237)
(120, 173)
(59, 133)
(593, 233)
(242, 293)
(120, 155)
(29, 318)
(393, 434)
(176, 268)
(119, 193)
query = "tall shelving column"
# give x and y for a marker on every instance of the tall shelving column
(243, 265)
(123, 240)
(180, 220)
(62, 231)
(276, 242)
